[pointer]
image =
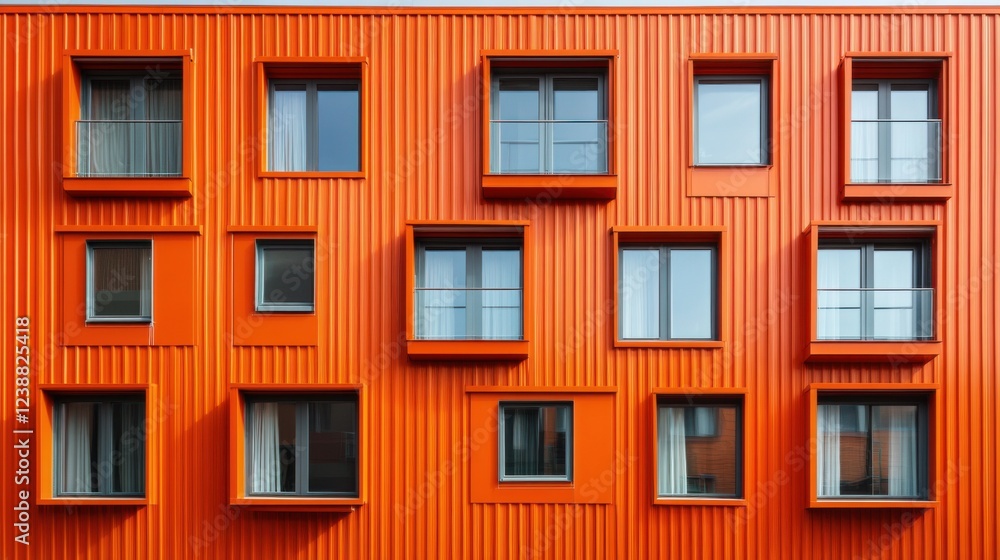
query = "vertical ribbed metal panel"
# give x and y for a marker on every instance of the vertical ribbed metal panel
(424, 164)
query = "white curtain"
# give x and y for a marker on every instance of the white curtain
(672, 446)
(441, 305)
(640, 293)
(828, 450)
(163, 139)
(902, 449)
(838, 315)
(912, 154)
(864, 135)
(265, 448)
(105, 146)
(522, 455)
(132, 449)
(894, 299)
(501, 294)
(288, 136)
(77, 431)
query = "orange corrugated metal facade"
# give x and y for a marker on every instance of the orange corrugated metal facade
(423, 163)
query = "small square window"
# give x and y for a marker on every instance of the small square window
(100, 447)
(119, 281)
(302, 446)
(314, 125)
(286, 275)
(699, 446)
(668, 292)
(872, 447)
(731, 120)
(537, 441)
(469, 291)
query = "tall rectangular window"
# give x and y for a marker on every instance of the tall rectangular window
(549, 123)
(286, 275)
(699, 446)
(302, 446)
(536, 442)
(131, 125)
(314, 125)
(119, 281)
(668, 292)
(469, 291)
(730, 120)
(871, 447)
(874, 291)
(100, 446)
(895, 132)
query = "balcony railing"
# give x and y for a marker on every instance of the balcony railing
(549, 146)
(895, 151)
(116, 148)
(875, 314)
(444, 314)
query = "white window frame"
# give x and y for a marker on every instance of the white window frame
(146, 298)
(501, 467)
(262, 305)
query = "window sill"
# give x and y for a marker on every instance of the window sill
(694, 344)
(102, 501)
(872, 504)
(873, 351)
(713, 502)
(552, 186)
(128, 186)
(311, 174)
(890, 192)
(732, 180)
(342, 505)
(467, 349)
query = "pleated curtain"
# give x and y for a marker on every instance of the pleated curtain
(672, 446)
(828, 450)
(265, 449)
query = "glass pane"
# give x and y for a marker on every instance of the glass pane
(910, 135)
(288, 276)
(106, 145)
(338, 118)
(691, 308)
(273, 447)
(163, 133)
(697, 449)
(894, 451)
(864, 133)
(640, 294)
(128, 447)
(728, 121)
(501, 295)
(333, 446)
(121, 281)
(536, 440)
(441, 294)
(77, 448)
(894, 297)
(838, 282)
(519, 143)
(288, 148)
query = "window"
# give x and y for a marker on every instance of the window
(895, 131)
(100, 446)
(314, 125)
(130, 124)
(537, 441)
(668, 292)
(549, 122)
(285, 275)
(119, 281)
(871, 447)
(699, 447)
(878, 290)
(731, 120)
(302, 446)
(469, 290)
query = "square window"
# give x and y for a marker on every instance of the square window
(119, 281)
(699, 447)
(130, 124)
(549, 122)
(469, 290)
(668, 292)
(895, 131)
(286, 275)
(876, 290)
(871, 447)
(100, 445)
(314, 125)
(731, 120)
(302, 446)
(537, 441)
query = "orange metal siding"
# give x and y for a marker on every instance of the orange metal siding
(423, 93)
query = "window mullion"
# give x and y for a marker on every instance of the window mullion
(867, 295)
(547, 112)
(884, 131)
(302, 448)
(105, 431)
(665, 303)
(312, 126)
(474, 295)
